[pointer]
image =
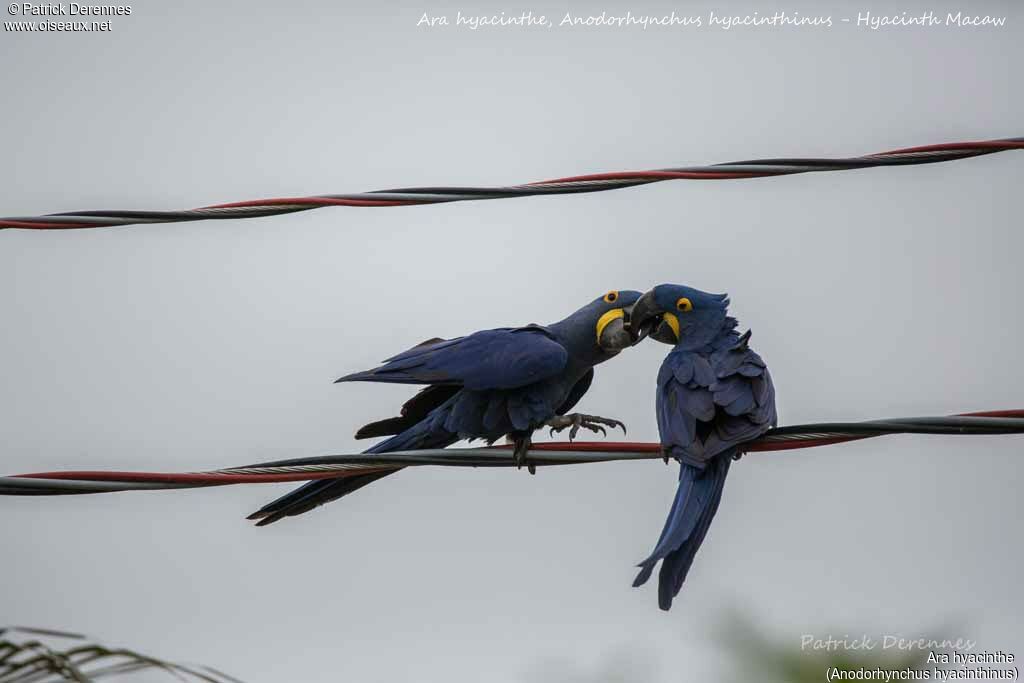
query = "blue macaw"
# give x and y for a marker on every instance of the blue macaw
(714, 393)
(490, 384)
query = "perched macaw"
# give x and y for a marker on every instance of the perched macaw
(714, 393)
(490, 384)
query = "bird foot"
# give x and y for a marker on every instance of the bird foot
(519, 454)
(574, 421)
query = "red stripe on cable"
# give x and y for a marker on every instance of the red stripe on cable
(954, 146)
(313, 201)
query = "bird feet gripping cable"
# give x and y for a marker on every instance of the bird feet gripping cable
(520, 447)
(573, 421)
(594, 423)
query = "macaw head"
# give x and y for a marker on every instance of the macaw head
(600, 326)
(678, 315)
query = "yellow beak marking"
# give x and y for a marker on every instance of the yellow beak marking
(673, 322)
(603, 321)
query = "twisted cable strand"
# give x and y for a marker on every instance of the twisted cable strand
(541, 454)
(597, 182)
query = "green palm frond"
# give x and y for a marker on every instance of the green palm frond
(31, 655)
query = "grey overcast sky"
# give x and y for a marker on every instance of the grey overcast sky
(874, 293)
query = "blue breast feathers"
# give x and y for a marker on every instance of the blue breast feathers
(711, 400)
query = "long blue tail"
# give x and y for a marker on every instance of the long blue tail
(316, 493)
(695, 504)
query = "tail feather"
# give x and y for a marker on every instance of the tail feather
(392, 425)
(676, 566)
(415, 410)
(693, 509)
(316, 493)
(312, 495)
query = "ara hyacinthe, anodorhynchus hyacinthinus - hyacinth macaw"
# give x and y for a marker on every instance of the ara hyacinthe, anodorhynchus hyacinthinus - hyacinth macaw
(487, 385)
(714, 393)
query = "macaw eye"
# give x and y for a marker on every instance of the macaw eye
(684, 305)
(611, 297)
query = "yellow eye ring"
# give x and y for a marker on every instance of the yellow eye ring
(684, 305)
(611, 297)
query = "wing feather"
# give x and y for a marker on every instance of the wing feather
(491, 359)
(729, 391)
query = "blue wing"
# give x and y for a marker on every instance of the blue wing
(491, 359)
(488, 362)
(707, 405)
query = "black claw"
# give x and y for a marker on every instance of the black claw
(519, 458)
(592, 423)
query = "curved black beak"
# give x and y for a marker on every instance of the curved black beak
(644, 317)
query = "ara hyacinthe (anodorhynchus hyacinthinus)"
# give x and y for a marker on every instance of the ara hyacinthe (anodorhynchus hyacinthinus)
(714, 393)
(487, 385)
